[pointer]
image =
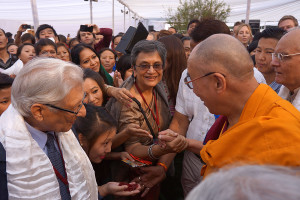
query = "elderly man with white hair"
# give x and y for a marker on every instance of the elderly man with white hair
(43, 158)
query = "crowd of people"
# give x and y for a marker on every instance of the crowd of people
(207, 114)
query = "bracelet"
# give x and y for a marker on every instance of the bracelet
(150, 153)
(141, 160)
(106, 87)
(163, 165)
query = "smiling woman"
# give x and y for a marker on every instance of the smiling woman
(150, 113)
(86, 57)
(94, 88)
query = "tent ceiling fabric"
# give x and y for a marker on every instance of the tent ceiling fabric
(67, 15)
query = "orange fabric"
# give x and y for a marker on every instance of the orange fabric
(268, 132)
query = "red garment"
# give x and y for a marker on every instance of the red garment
(107, 35)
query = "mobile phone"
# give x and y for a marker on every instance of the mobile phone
(26, 26)
(85, 28)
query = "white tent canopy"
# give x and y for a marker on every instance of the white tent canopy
(67, 15)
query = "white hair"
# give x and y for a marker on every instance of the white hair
(44, 81)
(249, 182)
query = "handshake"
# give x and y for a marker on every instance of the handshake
(172, 142)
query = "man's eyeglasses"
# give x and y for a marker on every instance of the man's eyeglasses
(146, 67)
(66, 110)
(281, 56)
(189, 82)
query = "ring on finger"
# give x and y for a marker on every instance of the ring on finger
(140, 178)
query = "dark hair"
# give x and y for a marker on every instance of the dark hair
(62, 38)
(291, 17)
(75, 55)
(3, 32)
(71, 41)
(107, 49)
(253, 45)
(207, 28)
(118, 35)
(123, 64)
(177, 63)
(89, 73)
(193, 21)
(148, 46)
(78, 35)
(27, 36)
(10, 44)
(272, 32)
(43, 42)
(173, 28)
(96, 122)
(114, 37)
(60, 44)
(42, 27)
(178, 35)
(22, 46)
(185, 38)
(8, 34)
(5, 81)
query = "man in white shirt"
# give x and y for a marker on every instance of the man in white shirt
(286, 60)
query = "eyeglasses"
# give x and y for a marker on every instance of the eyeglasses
(66, 110)
(281, 56)
(146, 67)
(189, 82)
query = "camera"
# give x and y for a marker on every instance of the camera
(26, 26)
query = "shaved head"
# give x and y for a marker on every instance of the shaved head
(222, 52)
(292, 39)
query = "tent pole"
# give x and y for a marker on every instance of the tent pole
(113, 16)
(91, 11)
(129, 18)
(34, 14)
(124, 18)
(248, 11)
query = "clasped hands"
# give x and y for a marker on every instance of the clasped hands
(172, 142)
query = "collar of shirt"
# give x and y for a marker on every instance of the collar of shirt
(40, 137)
(5, 65)
(293, 94)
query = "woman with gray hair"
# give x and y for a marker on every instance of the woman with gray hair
(249, 182)
(43, 157)
(149, 111)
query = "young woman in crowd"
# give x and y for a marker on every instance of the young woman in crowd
(94, 88)
(5, 90)
(46, 48)
(96, 131)
(175, 64)
(63, 52)
(108, 60)
(25, 53)
(114, 43)
(86, 57)
(244, 34)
